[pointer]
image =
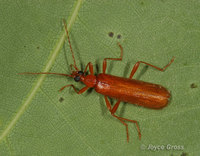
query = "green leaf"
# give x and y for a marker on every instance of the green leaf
(36, 119)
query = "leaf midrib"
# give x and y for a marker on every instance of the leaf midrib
(51, 59)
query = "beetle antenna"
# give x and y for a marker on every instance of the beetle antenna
(70, 44)
(45, 73)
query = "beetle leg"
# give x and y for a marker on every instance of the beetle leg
(117, 59)
(72, 65)
(90, 68)
(78, 92)
(113, 110)
(133, 121)
(138, 63)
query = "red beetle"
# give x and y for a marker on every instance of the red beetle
(123, 89)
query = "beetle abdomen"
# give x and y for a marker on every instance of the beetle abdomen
(133, 91)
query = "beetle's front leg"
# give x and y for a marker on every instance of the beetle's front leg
(90, 68)
(78, 92)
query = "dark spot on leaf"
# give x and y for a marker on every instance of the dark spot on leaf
(61, 99)
(185, 64)
(38, 47)
(193, 85)
(119, 36)
(142, 3)
(111, 34)
(184, 154)
(24, 46)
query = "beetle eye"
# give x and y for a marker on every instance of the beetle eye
(80, 73)
(77, 78)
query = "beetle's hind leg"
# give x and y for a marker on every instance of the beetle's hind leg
(158, 68)
(114, 109)
(133, 121)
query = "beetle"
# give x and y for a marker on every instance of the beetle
(129, 90)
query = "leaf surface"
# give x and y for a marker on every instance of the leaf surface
(36, 119)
